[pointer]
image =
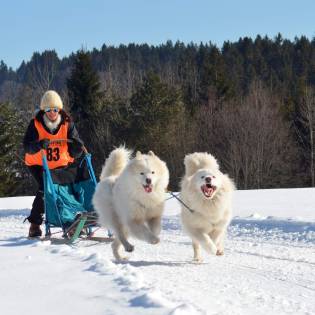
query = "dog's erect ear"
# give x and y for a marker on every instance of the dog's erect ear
(138, 155)
(191, 164)
(151, 153)
(195, 161)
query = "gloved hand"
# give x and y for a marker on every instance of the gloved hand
(44, 143)
(75, 149)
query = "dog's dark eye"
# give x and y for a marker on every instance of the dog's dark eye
(202, 177)
(152, 172)
(141, 173)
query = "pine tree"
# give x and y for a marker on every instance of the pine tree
(157, 122)
(83, 88)
(155, 107)
(11, 168)
(85, 98)
(213, 75)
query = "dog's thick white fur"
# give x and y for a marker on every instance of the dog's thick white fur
(129, 198)
(208, 194)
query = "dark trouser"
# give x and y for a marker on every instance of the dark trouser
(37, 211)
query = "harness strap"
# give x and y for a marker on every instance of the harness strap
(182, 202)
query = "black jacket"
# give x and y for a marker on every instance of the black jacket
(32, 145)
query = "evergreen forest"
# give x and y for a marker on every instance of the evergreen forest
(251, 103)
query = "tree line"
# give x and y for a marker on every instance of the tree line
(251, 103)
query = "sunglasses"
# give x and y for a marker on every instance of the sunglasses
(48, 110)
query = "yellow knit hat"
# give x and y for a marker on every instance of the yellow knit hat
(51, 99)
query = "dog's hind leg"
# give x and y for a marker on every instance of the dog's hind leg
(140, 231)
(122, 238)
(155, 225)
(205, 241)
(197, 256)
(116, 246)
(218, 238)
(121, 233)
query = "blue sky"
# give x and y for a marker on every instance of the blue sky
(27, 26)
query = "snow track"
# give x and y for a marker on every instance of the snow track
(268, 268)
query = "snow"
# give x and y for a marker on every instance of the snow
(268, 266)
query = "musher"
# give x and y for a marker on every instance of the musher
(48, 126)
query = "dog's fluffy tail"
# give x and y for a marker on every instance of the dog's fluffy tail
(115, 163)
(198, 160)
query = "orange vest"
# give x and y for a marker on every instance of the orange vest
(57, 153)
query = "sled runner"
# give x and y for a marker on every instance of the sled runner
(68, 198)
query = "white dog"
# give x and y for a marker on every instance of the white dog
(206, 194)
(130, 197)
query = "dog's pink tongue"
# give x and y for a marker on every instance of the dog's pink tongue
(148, 188)
(210, 191)
(207, 191)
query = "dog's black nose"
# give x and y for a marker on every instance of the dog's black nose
(148, 181)
(208, 179)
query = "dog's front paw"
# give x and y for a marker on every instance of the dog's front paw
(129, 248)
(197, 260)
(220, 252)
(122, 259)
(154, 240)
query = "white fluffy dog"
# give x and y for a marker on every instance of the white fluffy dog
(207, 197)
(130, 197)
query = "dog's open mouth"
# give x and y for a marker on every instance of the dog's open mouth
(147, 188)
(208, 190)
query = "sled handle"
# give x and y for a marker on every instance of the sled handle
(85, 149)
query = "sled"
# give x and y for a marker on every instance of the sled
(68, 196)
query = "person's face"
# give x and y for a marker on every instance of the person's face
(52, 113)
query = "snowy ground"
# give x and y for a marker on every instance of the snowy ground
(268, 266)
